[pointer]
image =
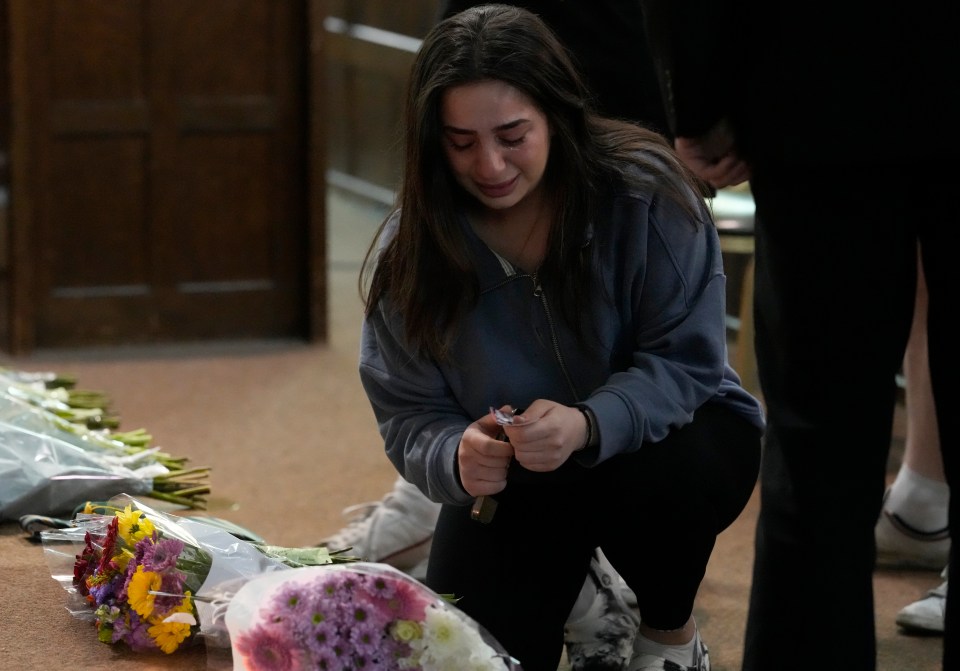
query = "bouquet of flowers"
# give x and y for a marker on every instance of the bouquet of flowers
(154, 581)
(354, 616)
(59, 447)
(157, 582)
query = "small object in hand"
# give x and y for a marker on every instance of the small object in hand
(485, 506)
(483, 509)
(504, 417)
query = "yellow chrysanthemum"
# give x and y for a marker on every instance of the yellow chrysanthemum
(138, 591)
(123, 558)
(133, 525)
(169, 632)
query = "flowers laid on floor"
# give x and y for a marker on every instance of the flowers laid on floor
(154, 581)
(157, 582)
(59, 447)
(140, 583)
(354, 616)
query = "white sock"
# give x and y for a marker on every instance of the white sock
(679, 654)
(918, 500)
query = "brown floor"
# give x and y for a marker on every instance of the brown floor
(292, 441)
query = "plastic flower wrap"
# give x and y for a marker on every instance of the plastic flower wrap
(59, 448)
(154, 581)
(354, 616)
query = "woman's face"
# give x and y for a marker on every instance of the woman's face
(496, 141)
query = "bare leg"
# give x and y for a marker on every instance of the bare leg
(912, 529)
(922, 448)
(919, 494)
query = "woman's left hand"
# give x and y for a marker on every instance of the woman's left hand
(546, 434)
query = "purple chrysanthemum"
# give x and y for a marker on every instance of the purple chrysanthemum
(323, 638)
(171, 582)
(292, 603)
(100, 592)
(133, 631)
(365, 638)
(158, 556)
(140, 546)
(381, 587)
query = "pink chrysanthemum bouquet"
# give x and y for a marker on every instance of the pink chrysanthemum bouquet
(354, 616)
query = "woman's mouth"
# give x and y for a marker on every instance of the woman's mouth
(497, 190)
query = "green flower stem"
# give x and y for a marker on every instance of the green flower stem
(195, 503)
(87, 399)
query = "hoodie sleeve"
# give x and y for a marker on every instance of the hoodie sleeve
(418, 418)
(416, 413)
(670, 288)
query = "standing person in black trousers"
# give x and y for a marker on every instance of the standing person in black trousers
(845, 122)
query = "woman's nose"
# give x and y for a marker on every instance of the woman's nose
(490, 162)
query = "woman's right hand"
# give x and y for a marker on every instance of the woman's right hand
(483, 459)
(713, 157)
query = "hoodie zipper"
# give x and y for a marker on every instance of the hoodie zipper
(554, 341)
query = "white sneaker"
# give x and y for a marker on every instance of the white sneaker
(900, 545)
(626, 593)
(701, 661)
(396, 530)
(601, 627)
(926, 615)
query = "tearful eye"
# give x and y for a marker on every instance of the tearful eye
(459, 147)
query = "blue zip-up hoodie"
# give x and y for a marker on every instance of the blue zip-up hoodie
(656, 348)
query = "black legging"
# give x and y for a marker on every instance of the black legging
(655, 513)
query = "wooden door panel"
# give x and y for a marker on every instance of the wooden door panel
(238, 221)
(226, 111)
(94, 48)
(94, 237)
(163, 185)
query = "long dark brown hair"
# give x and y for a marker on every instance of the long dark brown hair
(424, 270)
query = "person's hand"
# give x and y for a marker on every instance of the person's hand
(713, 157)
(546, 434)
(483, 459)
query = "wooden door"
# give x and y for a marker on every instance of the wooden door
(159, 172)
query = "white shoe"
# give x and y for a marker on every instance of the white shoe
(626, 593)
(396, 530)
(900, 545)
(926, 615)
(646, 662)
(601, 627)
